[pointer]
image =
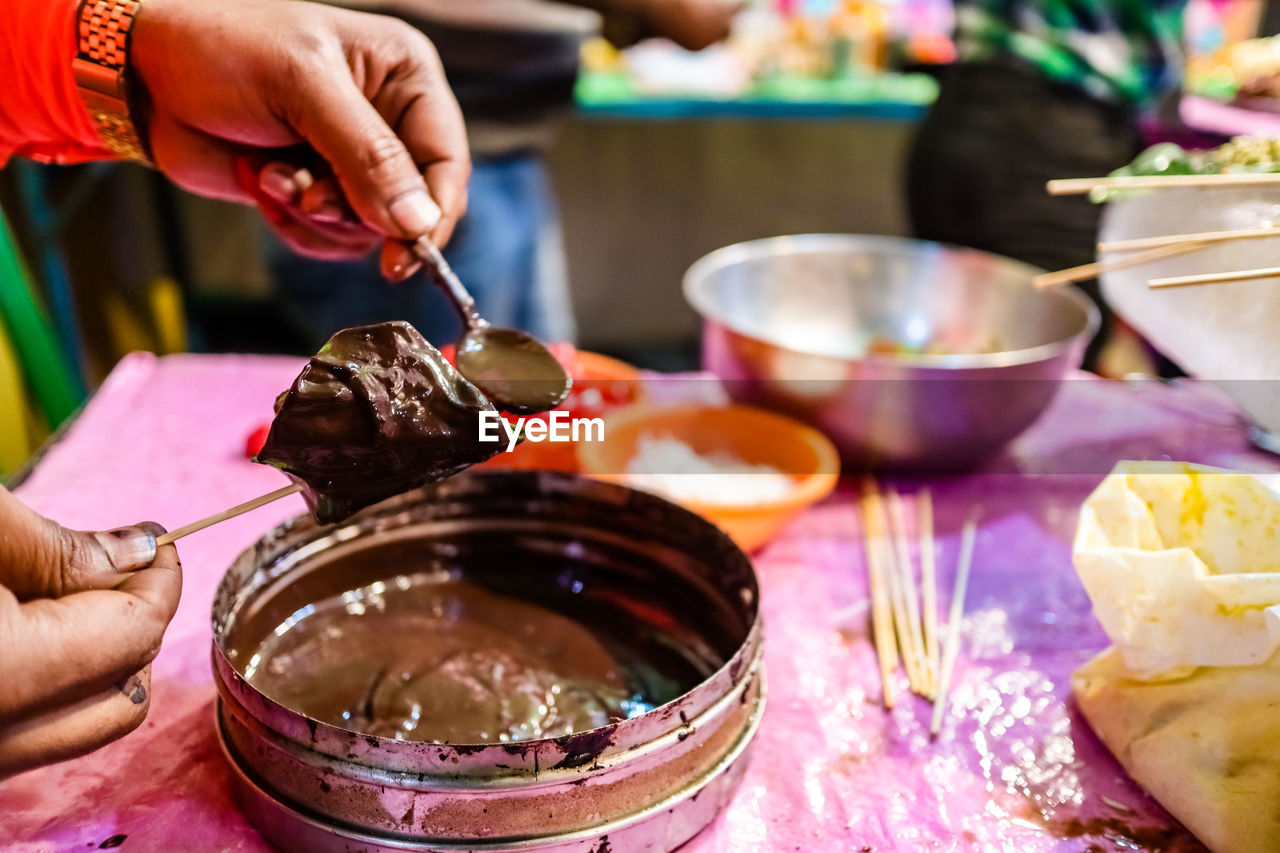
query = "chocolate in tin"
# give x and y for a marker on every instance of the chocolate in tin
(664, 606)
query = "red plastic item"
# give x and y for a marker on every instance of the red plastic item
(256, 439)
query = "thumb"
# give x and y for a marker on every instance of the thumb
(40, 558)
(378, 176)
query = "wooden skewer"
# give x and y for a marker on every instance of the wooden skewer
(907, 583)
(953, 624)
(1076, 186)
(881, 615)
(1097, 268)
(1179, 239)
(218, 517)
(898, 598)
(929, 588)
(1213, 278)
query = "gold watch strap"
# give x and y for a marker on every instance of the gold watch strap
(101, 73)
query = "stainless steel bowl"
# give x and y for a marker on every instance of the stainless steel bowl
(788, 321)
(646, 783)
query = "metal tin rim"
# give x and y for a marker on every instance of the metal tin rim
(603, 765)
(243, 778)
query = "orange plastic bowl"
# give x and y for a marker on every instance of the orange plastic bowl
(751, 435)
(599, 383)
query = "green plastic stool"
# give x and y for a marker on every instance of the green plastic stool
(50, 376)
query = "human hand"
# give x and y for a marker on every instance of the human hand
(81, 618)
(366, 93)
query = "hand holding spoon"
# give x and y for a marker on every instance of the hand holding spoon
(512, 368)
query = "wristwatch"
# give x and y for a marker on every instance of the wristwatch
(101, 68)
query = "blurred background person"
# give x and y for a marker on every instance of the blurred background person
(512, 65)
(1040, 89)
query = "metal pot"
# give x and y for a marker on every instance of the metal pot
(788, 320)
(646, 783)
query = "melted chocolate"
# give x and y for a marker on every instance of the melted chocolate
(378, 411)
(430, 658)
(492, 591)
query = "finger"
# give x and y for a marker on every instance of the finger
(78, 728)
(435, 136)
(272, 189)
(398, 260)
(40, 558)
(448, 182)
(324, 202)
(125, 550)
(57, 651)
(280, 190)
(376, 172)
(196, 161)
(277, 181)
(325, 241)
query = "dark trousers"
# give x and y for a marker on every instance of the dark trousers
(983, 153)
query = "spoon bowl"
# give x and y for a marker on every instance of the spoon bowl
(512, 368)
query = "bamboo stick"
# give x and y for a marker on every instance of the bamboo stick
(219, 517)
(1084, 272)
(929, 588)
(1213, 278)
(952, 647)
(907, 582)
(881, 614)
(1077, 186)
(1139, 243)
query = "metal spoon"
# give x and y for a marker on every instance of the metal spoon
(512, 368)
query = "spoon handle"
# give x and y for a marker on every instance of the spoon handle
(448, 279)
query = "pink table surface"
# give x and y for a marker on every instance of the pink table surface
(1015, 769)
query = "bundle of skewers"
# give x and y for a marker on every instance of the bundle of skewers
(1137, 252)
(904, 611)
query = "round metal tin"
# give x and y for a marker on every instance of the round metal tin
(648, 783)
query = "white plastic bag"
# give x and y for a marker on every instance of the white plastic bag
(1182, 564)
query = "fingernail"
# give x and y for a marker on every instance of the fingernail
(304, 179)
(278, 182)
(416, 213)
(128, 548)
(401, 270)
(327, 210)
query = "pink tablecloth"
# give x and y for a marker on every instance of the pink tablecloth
(1015, 770)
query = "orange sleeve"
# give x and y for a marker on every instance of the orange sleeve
(41, 114)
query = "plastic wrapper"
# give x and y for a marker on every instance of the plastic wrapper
(1182, 564)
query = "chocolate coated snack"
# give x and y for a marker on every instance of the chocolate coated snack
(378, 411)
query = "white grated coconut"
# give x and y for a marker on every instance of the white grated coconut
(674, 470)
